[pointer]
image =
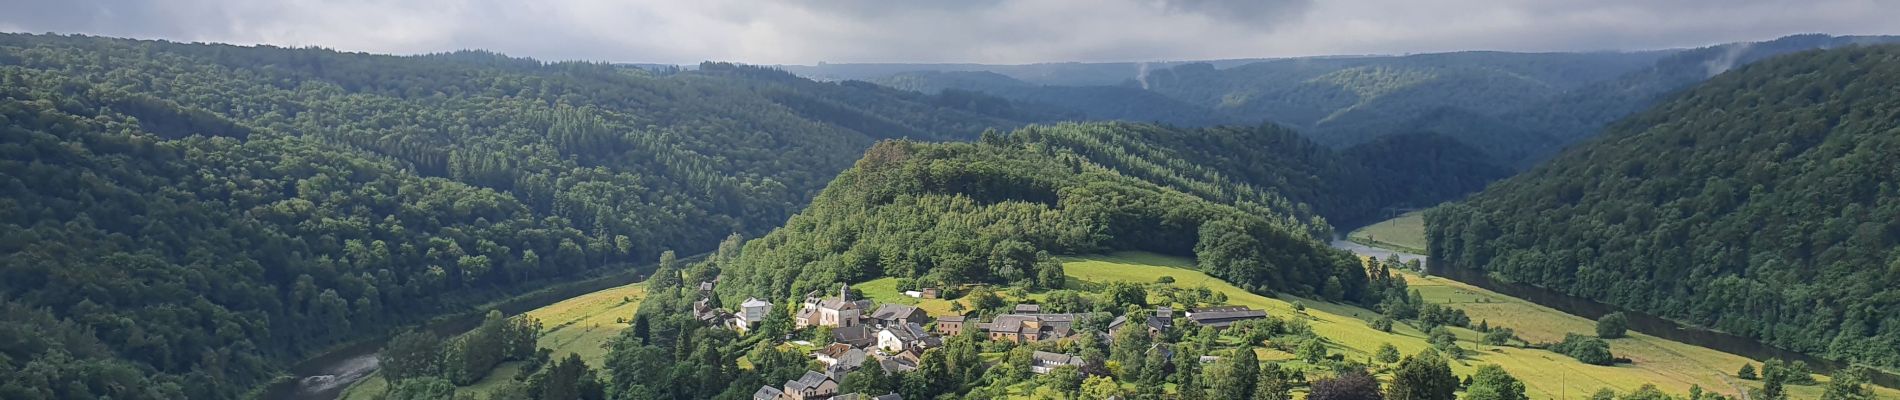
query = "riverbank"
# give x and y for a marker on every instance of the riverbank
(326, 375)
(1405, 233)
(579, 325)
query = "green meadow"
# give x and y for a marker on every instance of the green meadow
(1405, 233)
(1670, 365)
(580, 325)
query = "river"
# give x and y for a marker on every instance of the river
(1640, 322)
(326, 375)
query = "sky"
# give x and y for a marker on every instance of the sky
(977, 31)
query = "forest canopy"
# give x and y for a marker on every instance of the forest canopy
(183, 220)
(1762, 203)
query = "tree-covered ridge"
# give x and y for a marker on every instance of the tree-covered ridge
(1340, 101)
(1278, 169)
(994, 211)
(1127, 102)
(196, 265)
(1548, 126)
(192, 217)
(880, 111)
(540, 130)
(1761, 203)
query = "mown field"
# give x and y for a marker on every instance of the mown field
(1672, 366)
(580, 325)
(884, 290)
(1405, 233)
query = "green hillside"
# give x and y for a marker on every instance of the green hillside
(184, 220)
(1338, 101)
(1761, 203)
(993, 211)
(1271, 166)
(978, 213)
(1549, 126)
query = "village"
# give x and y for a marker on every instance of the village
(894, 337)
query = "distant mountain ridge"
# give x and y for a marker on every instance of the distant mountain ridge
(1518, 107)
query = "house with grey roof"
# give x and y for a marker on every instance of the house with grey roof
(768, 393)
(1025, 328)
(906, 336)
(1156, 323)
(707, 314)
(1223, 316)
(890, 314)
(829, 311)
(855, 335)
(752, 312)
(812, 386)
(904, 361)
(950, 325)
(840, 358)
(1043, 361)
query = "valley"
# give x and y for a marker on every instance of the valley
(585, 323)
(211, 221)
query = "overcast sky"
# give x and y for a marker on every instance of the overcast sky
(985, 31)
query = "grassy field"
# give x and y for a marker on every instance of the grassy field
(580, 325)
(1670, 365)
(1405, 233)
(884, 290)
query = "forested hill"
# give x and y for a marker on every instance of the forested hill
(1762, 203)
(183, 220)
(1544, 128)
(1236, 199)
(996, 210)
(1275, 167)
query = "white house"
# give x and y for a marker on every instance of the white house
(1046, 361)
(752, 312)
(898, 337)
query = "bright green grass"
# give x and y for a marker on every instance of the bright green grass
(884, 290)
(1670, 365)
(368, 388)
(1405, 233)
(580, 325)
(583, 325)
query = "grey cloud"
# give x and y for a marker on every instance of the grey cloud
(1242, 11)
(991, 31)
(111, 17)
